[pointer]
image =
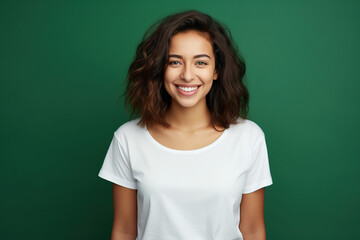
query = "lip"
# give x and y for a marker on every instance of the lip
(187, 85)
(184, 93)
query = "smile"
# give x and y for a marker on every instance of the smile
(187, 91)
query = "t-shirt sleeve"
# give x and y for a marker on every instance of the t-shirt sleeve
(258, 175)
(116, 167)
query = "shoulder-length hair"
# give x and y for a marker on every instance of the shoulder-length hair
(228, 98)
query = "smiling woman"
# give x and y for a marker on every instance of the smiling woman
(191, 69)
(192, 166)
(145, 91)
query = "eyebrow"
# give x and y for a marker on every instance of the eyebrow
(196, 56)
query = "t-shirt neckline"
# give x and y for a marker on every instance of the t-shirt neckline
(177, 151)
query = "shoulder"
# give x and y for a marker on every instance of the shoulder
(247, 125)
(129, 128)
(248, 128)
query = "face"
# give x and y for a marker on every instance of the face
(190, 70)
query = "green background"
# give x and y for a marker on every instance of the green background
(63, 65)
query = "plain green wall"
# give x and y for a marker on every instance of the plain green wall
(63, 64)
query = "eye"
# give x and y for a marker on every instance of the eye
(174, 63)
(202, 63)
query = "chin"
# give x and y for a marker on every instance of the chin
(187, 104)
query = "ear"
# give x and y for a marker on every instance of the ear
(215, 75)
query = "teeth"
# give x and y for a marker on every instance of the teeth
(187, 89)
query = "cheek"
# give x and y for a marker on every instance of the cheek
(208, 75)
(168, 79)
(170, 74)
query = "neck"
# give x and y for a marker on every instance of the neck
(188, 119)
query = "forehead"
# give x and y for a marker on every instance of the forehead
(191, 42)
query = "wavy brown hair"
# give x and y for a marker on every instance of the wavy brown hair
(228, 98)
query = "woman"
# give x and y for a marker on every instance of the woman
(191, 166)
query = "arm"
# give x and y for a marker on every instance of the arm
(125, 213)
(252, 224)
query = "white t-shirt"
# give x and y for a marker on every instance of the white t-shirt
(188, 194)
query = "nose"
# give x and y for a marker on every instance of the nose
(187, 73)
